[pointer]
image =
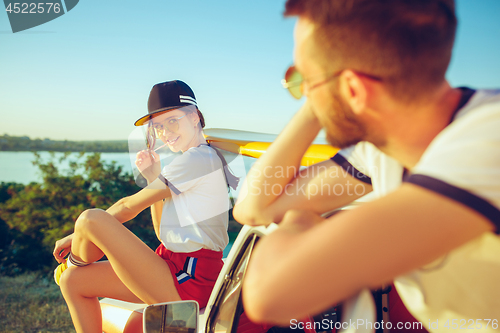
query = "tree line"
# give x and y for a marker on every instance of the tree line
(24, 143)
(34, 216)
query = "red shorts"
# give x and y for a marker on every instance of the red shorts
(194, 273)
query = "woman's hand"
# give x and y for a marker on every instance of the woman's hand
(148, 163)
(62, 248)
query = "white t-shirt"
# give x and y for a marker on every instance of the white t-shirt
(196, 217)
(462, 163)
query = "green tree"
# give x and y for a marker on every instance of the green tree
(40, 213)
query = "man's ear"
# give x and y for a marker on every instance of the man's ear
(354, 90)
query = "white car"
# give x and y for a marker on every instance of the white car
(224, 309)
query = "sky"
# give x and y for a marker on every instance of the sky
(87, 74)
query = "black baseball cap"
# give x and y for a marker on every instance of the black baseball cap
(167, 96)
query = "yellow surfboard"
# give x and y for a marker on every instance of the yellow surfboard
(255, 144)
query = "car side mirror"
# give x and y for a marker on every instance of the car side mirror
(171, 317)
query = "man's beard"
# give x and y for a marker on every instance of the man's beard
(342, 127)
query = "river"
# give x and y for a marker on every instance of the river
(18, 167)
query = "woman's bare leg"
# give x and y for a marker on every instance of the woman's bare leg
(134, 273)
(80, 287)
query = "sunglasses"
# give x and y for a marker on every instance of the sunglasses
(155, 130)
(294, 81)
(171, 124)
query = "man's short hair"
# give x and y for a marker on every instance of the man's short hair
(407, 43)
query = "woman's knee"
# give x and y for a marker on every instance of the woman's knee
(68, 280)
(88, 219)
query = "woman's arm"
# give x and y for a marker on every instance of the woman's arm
(127, 208)
(156, 210)
(148, 163)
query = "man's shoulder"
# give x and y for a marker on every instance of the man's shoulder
(367, 153)
(483, 100)
(465, 154)
(477, 121)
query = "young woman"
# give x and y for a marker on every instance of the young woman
(189, 207)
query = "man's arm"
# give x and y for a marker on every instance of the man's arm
(275, 185)
(319, 188)
(310, 264)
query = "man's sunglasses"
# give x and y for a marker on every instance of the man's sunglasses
(294, 81)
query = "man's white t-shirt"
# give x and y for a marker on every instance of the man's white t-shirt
(462, 163)
(196, 216)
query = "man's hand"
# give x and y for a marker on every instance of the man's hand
(62, 248)
(148, 163)
(255, 205)
(300, 220)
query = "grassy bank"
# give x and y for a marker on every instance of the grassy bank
(32, 304)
